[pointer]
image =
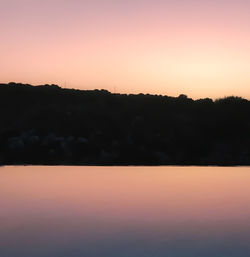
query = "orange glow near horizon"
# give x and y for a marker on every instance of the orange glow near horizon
(199, 48)
(218, 193)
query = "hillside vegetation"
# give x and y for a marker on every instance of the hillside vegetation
(50, 125)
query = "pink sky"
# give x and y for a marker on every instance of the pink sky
(200, 48)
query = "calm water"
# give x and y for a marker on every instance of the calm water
(124, 212)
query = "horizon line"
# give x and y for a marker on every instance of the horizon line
(119, 93)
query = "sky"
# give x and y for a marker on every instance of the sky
(196, 47)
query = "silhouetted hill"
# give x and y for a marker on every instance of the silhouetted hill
(50, 125)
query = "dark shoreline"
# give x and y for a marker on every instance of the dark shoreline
(49, 125)
(124, 166)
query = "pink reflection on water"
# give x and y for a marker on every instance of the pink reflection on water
(55, 207)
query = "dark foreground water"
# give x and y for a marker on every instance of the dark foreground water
(124, 212)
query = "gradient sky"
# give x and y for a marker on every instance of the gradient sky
(197, 47)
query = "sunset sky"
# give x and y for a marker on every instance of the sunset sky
(197, 47)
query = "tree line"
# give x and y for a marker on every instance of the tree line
(51, 125)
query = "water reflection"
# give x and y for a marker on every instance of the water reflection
(124, 211)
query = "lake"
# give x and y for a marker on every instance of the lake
(124, 211)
